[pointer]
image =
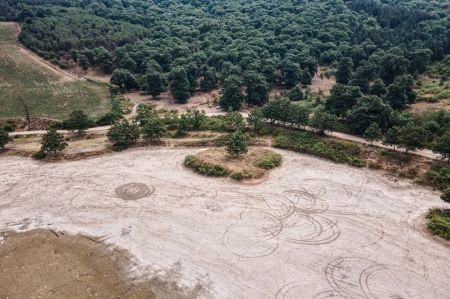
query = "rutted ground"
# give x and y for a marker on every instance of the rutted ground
(314, 229)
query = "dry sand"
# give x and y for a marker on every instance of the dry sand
(313, 229)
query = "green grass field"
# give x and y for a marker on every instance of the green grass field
(46, 91)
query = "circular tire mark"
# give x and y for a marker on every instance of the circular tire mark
(134, 191)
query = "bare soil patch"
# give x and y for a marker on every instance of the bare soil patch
(47, 264)
(246, 167)
(322, 84)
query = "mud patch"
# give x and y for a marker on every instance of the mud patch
(134, 191)
(48, 264)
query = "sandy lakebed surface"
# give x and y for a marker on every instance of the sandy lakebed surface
(313, 229)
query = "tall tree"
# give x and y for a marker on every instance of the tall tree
(179, 85)
(257, 89)
(232, 95)
(342, 98)
(78, 121)
(442, 145)
(124, 79)
(373, 133)
(344, 70)
(368, 110)
(154, 83)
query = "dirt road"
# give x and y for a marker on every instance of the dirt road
(314, 229)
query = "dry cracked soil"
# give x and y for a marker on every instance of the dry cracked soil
(312, 229)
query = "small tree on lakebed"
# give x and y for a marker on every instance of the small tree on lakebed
(52, 141)
(237, 144)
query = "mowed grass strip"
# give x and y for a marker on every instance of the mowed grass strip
(46, 92)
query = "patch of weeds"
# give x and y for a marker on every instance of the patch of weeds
(439, 223)
(205, 168)
(270, 161)
(241, 175)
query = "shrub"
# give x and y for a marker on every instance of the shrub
(439, 222)
(353, 161)
(241, 175)
(9, 127)
(313, 144)
(205, 168)
(438, 176)
(39, 155)
(270, 161)
(446, 195)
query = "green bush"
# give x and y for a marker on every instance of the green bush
(353, 161)
(439, 222)
(205, 168)
(438, 176)
(446, 195)
(241, 175)
(313, 144)
(9, 127)
(39, 155)
(270, 161)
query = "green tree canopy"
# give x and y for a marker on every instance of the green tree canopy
(52, 141)
(237, 144)
(179, 85)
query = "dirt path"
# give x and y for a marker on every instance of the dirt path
(308, 231)
(60, 73)
(423, 153)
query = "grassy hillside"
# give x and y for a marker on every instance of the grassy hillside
(48, 92)
(435, 86)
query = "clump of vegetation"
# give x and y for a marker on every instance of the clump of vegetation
(439, 222)
(217, 162)
(122, 134)
(310, 143)
(269, 161)
(205, 168)
(438, 176)
(4, 138)
(78, 121)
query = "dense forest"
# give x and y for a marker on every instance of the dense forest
(377, 47)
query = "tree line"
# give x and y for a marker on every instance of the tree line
(255, 45)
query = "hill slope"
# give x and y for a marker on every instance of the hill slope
(46, 90)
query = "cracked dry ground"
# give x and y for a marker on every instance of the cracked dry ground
(313, 229)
